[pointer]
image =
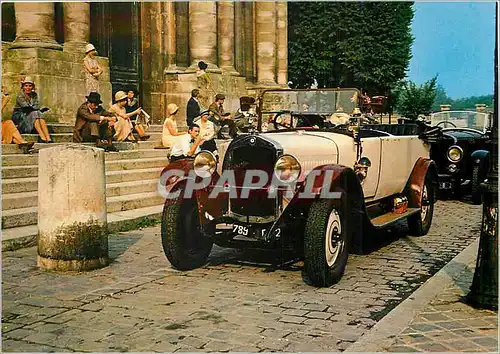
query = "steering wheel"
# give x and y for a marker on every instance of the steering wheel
(444, 122)
(279, 122)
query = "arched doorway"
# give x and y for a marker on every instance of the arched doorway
(114, 30)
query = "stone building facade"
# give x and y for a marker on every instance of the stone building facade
(152, 46)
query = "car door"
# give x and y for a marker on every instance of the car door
(372, 148)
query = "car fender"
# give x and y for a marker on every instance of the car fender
(343, 178)
(481, 158)
(415, 184)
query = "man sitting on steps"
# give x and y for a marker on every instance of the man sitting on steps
(94, 124)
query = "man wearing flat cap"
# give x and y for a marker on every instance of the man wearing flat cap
(94, 124)
(223, 117)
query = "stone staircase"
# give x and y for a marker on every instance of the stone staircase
(131, 186)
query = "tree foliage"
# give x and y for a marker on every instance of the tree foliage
(466, 103)
(414, 100)
(366, 45)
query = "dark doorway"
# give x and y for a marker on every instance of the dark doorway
(114, 30)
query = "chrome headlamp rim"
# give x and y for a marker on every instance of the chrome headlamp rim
(297, 163)
(203, 171)
(456, 147)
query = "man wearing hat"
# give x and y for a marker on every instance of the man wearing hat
(223, 117)
(92, 69)
(94, 124)
(207, 132)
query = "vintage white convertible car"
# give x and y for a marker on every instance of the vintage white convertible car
(328, 185)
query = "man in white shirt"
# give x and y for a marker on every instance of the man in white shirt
(186, 145)
(207, 133)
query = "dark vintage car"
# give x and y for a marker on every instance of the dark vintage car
(320, 191)
(460, 154)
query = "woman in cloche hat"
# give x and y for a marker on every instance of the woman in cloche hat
(169, 132)
(27, 114)
(123, 127)
(92, 69)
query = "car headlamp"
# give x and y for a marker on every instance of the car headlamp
(205, 164)
(287, 169)
(455, 153)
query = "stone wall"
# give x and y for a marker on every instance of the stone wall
(58, 76)
(179, 86)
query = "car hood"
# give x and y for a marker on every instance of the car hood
(464, 134)
(311, 148)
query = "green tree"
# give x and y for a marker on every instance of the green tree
(414, 100)
(366, 45)
(441, 98)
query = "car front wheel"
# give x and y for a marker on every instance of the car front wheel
(184, 243)
(325, 243)
(420, 223)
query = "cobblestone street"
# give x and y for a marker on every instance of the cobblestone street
(235, 303)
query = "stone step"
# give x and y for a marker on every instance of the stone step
(30, 198)
(32, 159)
(19, 200)
(141, 145)
(134, 164)
(25, 236)
(9, 172)
(66, 128)
(133, 175)
(28, 216)
(133, 187)
(133, 201)
(68, 137)
(19, 171)
(19, 217)
(18, 185)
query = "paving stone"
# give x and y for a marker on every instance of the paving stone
(486, 341)
(319, 315)
(314, 307)
(294, 312)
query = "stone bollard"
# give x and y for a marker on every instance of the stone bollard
(72, 226)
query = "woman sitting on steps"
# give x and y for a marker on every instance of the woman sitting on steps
(27, 115)
(10, 134)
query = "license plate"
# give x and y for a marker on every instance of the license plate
(240, 230)
(444, 185)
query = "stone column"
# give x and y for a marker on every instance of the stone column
(203, 34)
(266, 42)
(72, 227)
(282, 43)
(225, 16)
(249, 44)
(35, 25)
(76, 21)
(170, 35)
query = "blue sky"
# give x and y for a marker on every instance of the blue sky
(455, 40)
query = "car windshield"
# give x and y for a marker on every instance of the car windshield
(307, 102)
(461, 119)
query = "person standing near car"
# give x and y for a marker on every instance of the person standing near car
(193, 107)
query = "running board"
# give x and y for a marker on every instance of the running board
(389, 218)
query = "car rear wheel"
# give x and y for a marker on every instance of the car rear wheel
(420, 223)
(184, 243)
(325, 243)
